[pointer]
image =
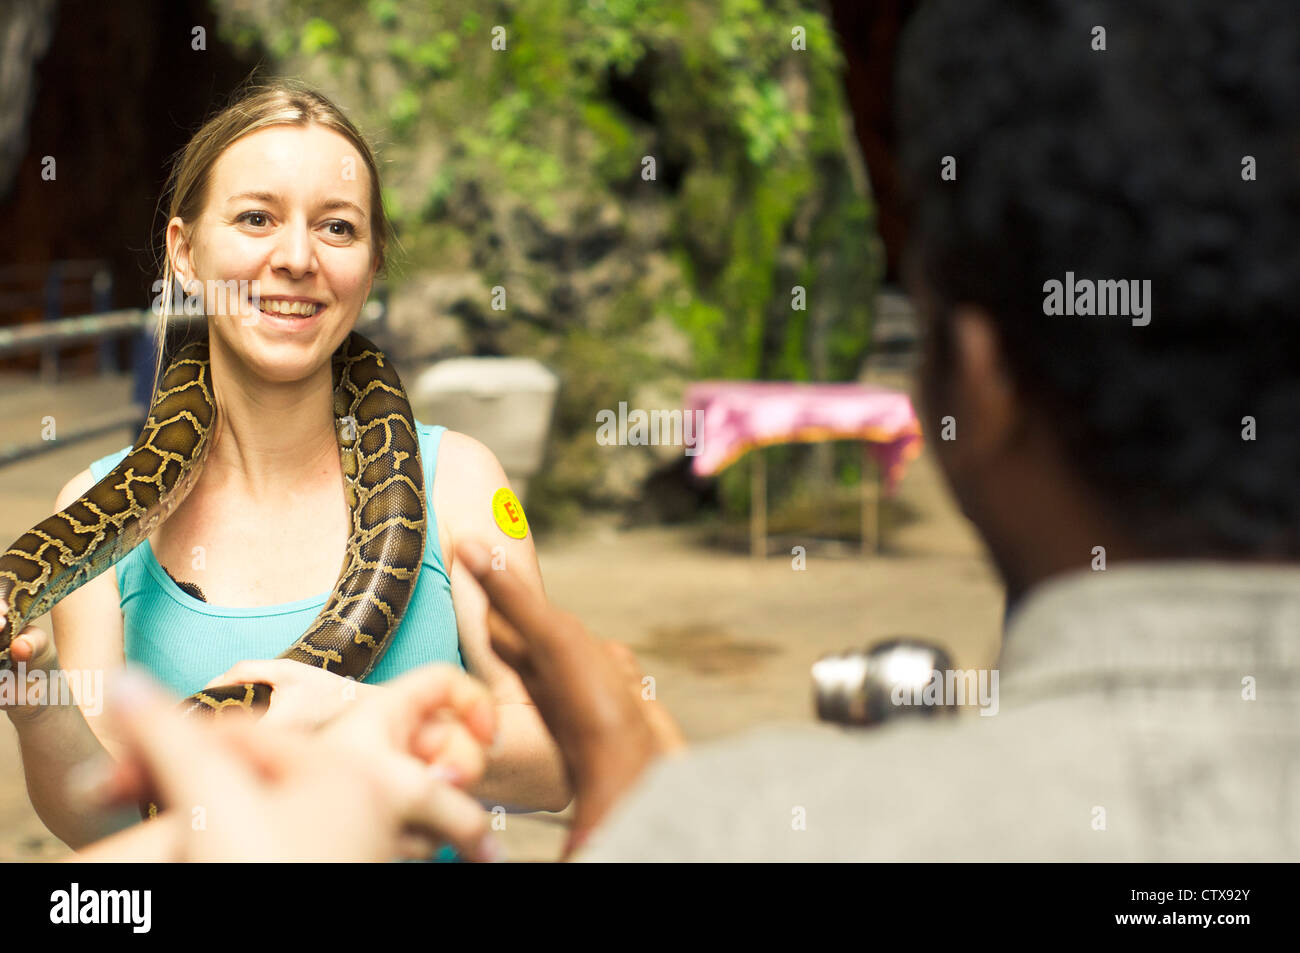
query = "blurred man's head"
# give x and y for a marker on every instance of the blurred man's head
(1171, 156)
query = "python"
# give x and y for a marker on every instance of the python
(383, 484)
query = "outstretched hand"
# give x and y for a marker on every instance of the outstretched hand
(588, 692)
(384, 779)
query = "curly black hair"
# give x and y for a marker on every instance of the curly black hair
(1127, 163)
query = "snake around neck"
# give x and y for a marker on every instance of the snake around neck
(383, 481)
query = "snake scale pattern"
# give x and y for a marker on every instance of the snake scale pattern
(383, 483)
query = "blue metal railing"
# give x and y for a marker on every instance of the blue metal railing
(52, 288)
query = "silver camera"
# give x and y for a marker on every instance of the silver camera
(870, 686)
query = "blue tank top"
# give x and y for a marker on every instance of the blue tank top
(185, 642)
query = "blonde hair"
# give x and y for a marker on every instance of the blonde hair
(281, 102)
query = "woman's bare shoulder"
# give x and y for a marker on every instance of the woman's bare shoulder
(466, 472)
(467, 459)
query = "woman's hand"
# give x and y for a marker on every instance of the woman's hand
(588, 692)
(375, 784)
(302, 696)
(33, 650)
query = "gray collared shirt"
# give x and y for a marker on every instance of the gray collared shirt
(1147, 712)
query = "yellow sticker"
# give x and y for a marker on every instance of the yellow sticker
(509, 513)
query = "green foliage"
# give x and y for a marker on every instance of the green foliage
(753, 194)
(383, 12)
(318, 35)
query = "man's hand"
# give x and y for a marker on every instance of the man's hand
(587, 692)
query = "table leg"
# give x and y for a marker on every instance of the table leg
(758, 505)
(870, 503)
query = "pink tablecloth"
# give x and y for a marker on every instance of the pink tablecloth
(741, 415)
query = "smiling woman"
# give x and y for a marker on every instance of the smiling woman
(278, 196)
(281, 206)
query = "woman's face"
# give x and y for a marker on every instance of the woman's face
(288, 213)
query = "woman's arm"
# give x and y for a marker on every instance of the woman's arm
(56, 740)
(525, 770)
